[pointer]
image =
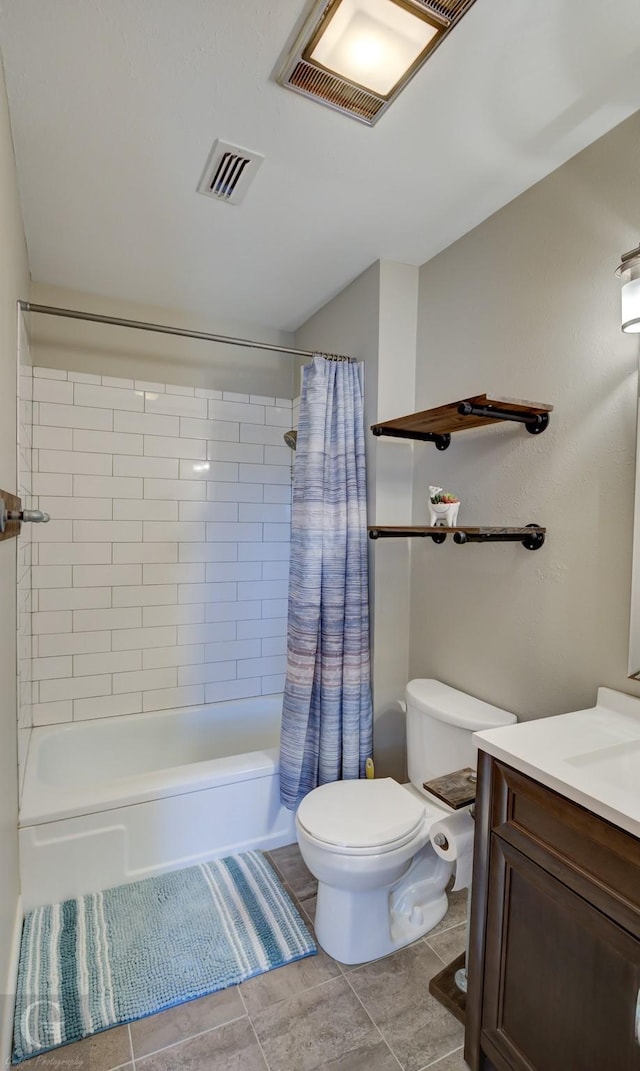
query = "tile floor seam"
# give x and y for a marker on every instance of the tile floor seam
(432, 949)
(368, 1014)
(133, 1055)
(435, 951)
(444, 929)
(354, 968)
(306, 989)
(259, 1043)
(191, 1037)
(318, 985)
(445, 1056)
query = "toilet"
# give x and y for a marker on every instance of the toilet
(380, 883)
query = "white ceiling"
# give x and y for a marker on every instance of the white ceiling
(115, 105)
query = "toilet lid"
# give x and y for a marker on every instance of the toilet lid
(361, 814)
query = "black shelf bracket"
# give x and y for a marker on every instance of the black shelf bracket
(532, 541)
(400, 533)
(535, 424)
(442, 441)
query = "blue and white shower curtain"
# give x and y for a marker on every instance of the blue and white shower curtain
(327, 713)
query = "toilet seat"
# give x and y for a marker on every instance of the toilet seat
(361, 817)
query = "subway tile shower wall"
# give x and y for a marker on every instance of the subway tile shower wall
(24, 551)
(162, 577)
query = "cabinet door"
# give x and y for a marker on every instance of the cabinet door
(561, 980)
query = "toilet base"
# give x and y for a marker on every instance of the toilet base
(359, 926)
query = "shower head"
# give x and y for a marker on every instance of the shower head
(291, 438)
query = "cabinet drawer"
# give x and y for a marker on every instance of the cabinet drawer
(596, 859)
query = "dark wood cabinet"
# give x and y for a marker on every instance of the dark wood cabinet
(554, 962)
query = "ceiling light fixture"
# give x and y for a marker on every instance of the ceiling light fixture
(357, 55)
(629, 272)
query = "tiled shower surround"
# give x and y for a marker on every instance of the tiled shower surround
(161, 579)
(24, 549)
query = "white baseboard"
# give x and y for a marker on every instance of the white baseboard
(6, 1024)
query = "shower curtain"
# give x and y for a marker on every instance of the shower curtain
(327, 713)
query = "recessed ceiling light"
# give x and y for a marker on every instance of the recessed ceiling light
(357, 55)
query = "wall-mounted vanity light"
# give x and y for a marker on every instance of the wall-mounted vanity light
(629, 272)
(357, 55)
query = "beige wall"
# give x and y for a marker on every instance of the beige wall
(14, 282)
(115, 351)
(374, 321)
(527, 305)
(391, 501)
(349, 324)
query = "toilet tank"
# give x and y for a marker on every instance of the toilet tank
(440, 725)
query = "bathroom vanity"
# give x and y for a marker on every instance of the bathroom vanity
(554, 959)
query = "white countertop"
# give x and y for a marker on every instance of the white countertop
(590, 756)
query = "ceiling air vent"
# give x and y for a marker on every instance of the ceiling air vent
(304, 73)
(335, 91)
(229, 172)
(447, 9)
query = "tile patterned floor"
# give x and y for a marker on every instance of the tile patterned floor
(313, 1015)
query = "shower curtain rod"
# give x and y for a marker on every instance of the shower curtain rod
(163, 329)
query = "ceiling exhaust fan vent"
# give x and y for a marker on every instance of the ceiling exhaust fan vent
(335, 91)
(229, 172)
(304, 74)
(447, 9)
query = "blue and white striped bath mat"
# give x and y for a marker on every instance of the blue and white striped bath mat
(115, 956)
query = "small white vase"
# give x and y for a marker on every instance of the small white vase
(443, 514)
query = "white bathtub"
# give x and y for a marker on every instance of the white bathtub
(117, 799)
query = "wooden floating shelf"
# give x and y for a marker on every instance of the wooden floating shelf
(12, 502)
(482, 410)
(531, 536)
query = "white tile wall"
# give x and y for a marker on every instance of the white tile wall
(25, 552)
(161, 579)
